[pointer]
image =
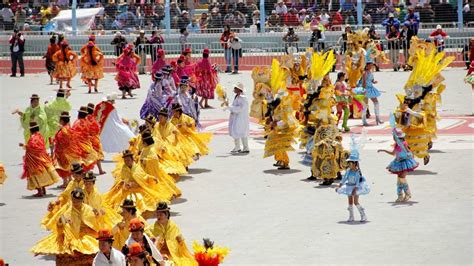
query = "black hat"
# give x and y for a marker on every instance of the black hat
(147, 135)
(34, 97)
(176, 107)
(158, 75)
(128, 204)
(142, 128)
(90, 177)
(149, 118)
(61, 92)
(162, 207)
(33, 124)
(90, 106)
(76, 168)
(83, 109)
(163, 112)
(65, 115)
(77, 193)
(127, 153)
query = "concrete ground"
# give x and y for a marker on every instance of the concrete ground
(270, 217)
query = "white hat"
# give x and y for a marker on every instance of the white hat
(438, 27)
(111, 97)
(142, 31)
(184, 12)
(390, 15)
(240, 86)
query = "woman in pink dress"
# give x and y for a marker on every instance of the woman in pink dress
(126, 65)
(159, 63)
(206, 79)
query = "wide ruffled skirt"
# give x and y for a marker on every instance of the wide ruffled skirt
(346, 189)
(45, 178)
(127, 80)
(279, 142)
(92, 72)
(399, 166)
(65, 70)
(65, 242)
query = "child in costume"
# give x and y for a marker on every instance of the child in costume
(367, 82)
(343, 100)
(470, 79)
(402, 164)
(353, 183)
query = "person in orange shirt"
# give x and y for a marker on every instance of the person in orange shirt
(94, 131)
(52, 49)
(92, 64)
(65, 60)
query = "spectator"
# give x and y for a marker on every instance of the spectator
(413, 19)
(344, 38)
(324, 18)
(439, 36)
(466, 8)
(281, 8)
(291, 40)
(241, 7)
(141, 49)
(214, 5)
(291, 19)
(366, 18)
(203, 22)
(256, 18)
(405, 37)
(183, 39)
(7, 15)
(120, 42)
(193, 27)
(215, 20)
(316, 40)
(156, 40)
(389, 22)
(427, 14)
(393, 37)
(111, 9)
(236, 46)
(175, 11)
(274, 19)
(297, 5)
(225, 43)
(402, 13)
(350, 18)
(183, 20)
(302, 16)
(337, 19)
(238, 20)
(17, 47)
(20, 18)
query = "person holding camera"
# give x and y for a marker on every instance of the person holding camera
(17, 47)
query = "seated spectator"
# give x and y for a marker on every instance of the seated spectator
(193, 27)
(215, 20)
(389, 22)
(324, 17)
(291, 18)
(281, 8)
(174, 10)
(302, 16)
(256, 18)
(183, 20)
(239, 20)
(337, 18)
(203, 22)
(427, 14)
(213, 5)
(241, 7)
(274, 20)
(298, 5)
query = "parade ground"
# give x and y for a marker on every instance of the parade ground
(271, 217)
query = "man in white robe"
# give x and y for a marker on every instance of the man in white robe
(239, 120)
(114, 134)
(108, 256)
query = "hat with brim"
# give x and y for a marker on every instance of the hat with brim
(76, 168)
(134, 250)
(162, 207)
(136, 225)
(111, 97)
(34, 97)
(105, 235)
(147, 135)
(158, 75)
(353, 157)
(127, 153)
(90, 177)
(65, 115)
(128, 204)
(239, 86)
(176, 107)
(83, 109)
(61, 92)
(90, 107)
(163, 112)
(33, 124)
(149, 119)
(77, 193)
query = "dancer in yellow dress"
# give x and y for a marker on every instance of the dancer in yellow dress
(150, 162)
(72, 239)
(38, 167)
(169, 239)
(132, 181)
(120, 230)
(187, 126)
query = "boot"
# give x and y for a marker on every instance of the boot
(377, 113)
(363, 217)
(245, 143)
(236, 146)
(351, 213)
(407, 197)
(400, 198)
(344, 120)
(364, 117)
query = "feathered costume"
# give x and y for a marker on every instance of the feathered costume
(209, 254)
(262, 93)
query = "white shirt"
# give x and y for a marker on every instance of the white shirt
(116, 259)
(7, 14)
(281, 9)
(239, 117)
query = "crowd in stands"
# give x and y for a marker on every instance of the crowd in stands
(149, 15)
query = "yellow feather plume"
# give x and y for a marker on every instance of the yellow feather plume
(321, 64)
(221, 95)
(275, 76)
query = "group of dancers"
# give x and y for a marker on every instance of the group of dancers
(295, 98)
(87, 227)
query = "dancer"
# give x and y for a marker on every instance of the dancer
(126, 65)
(34, 113)
(159, 63)
(65, 60)
(371, 93)
(354, 184)
(138, 236)
(49, 63)
(239, 119)
(169, 240)
(81, 127)
(54, 109)
(206, 79)
(94, 136)
(402, 164)
(155, 99)
(92, 65)
(470, 80)
(66, 149)
(114, 133)
(107, 254)
(38, 168)
(343, 100)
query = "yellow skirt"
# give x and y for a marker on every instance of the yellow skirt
(279, 142)
(46, 178)
(418, 140)
(64, 241)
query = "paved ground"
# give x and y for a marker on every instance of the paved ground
(269, 217)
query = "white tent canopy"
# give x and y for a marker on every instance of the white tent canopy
(85, 18)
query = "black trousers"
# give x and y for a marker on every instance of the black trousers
(17, 57)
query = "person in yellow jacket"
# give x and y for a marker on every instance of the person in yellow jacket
(150, 162)
(187, 127)
(72, 239)
(169, 240)
(133, 181)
